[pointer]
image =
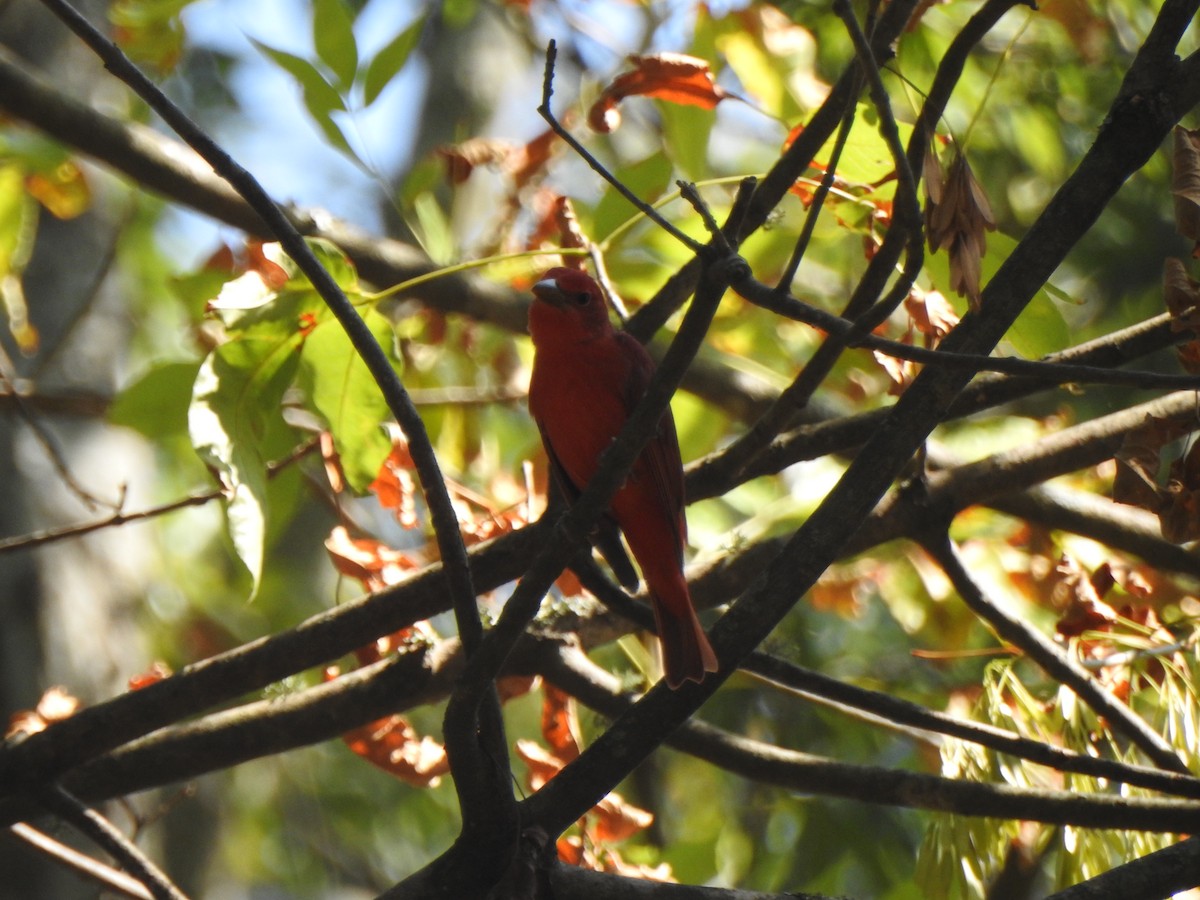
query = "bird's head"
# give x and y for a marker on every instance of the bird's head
(567, 304)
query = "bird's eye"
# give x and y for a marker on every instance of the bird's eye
(581, 297)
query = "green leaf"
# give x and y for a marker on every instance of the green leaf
(648, 179)
(156, 405)
(390, 60)
(18, 220)
(335, 262)
(319, 95)
(237, 392)
(321, 99)
(344, 392)
(1039, 329)
(333, 37)
(686, 131)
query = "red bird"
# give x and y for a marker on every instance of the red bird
(587, 379)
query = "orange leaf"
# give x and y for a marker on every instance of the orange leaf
(157, 672)
(372, 562)
(560, 724)
(543, 765)
(613, 819)
(63, 190)
(673, 77)
(1185, 182)
(54, 705)
(570, 850)
(393, 745)
(394, 486)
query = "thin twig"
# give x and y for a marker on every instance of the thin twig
(804, 772)
(784, 285)
(893, 712)
(81, 864)
(120, 517)
(557, 127)
(1050, 372)
(46, 439)
(1053, 659)
(105, 834)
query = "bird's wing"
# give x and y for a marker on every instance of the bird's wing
(660, 461)
(606, 536)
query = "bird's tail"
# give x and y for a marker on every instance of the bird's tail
(687, 654)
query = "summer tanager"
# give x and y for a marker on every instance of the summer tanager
(587, 379)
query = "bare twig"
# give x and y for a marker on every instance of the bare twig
(557, 127)
(1163, 873)
(120, 517)
(799, 771)
(105, 876)
(104, 834)
(46, 439)
(892, 712)
(1053, 659)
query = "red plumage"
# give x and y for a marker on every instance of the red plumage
(587, 379)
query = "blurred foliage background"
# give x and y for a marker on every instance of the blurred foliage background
(350, 107)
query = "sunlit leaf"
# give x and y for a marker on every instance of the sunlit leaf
(671, 77)
(333, 38)
(238, 388)
(346, 395)
(156, 404)
(388, 62)
(63, 189)
(321, 99)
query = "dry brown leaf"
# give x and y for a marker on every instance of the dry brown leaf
(1182, 296)
(1185, 182)
(393, 745)
(543, 765)
(1179, 517)
(931, 314)
(1138, 460)
(613, 819)
(957, 217)
(900, 372)
(369, 561)
(55, 704)
(1076, 595)
(672, 77)
(560, 723)
(462, 159)
(530, 158)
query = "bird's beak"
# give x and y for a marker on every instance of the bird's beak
(549, 291)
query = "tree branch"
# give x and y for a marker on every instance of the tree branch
(104, 834)
(1117, 153)
(1053, 659)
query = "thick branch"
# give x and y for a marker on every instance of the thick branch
(1133, 133)
(1053, 659)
